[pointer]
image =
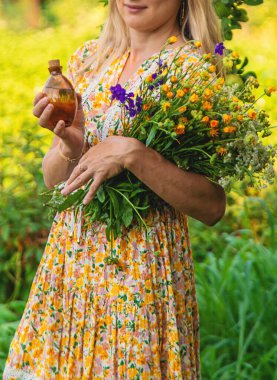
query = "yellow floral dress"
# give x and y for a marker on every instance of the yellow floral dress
(91, 321)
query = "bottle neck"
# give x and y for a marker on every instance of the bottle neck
(55, 71)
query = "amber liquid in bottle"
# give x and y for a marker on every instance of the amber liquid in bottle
(61, 94)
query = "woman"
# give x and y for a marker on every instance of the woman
(85, 319)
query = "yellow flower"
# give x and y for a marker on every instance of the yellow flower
(229, 129)
(165, 72)
(172, 40)
(180, 129)
(205, 119)
(207, 106)
(212, 69)
(235, 54)
(194, 98)
(252, 114)
(165, 106)
(240, 117)
(182, 109)
(197, 44)
(214, 123)
(132, 373)
(170, 95)
(173, 79)
(165, 88)
(222, 151)
(180, 93)
(227, 118)
(235, 99)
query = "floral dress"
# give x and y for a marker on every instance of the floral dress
(88, 320)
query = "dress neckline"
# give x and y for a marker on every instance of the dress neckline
(123, 60)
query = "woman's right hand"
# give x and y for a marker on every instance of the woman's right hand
(73, 136)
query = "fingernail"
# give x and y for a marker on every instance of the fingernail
(63, 192)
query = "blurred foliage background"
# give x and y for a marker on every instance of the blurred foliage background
(235, 261)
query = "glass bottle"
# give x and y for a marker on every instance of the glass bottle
(61, 94)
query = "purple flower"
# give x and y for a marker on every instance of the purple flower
(219, 48)
(139, 103)
(118, 93)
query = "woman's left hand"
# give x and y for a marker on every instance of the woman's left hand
(101, 162)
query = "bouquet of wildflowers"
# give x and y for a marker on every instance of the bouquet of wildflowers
(193, 119)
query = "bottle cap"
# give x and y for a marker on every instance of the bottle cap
(54, 64)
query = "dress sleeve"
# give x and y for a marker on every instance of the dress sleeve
(80, 62)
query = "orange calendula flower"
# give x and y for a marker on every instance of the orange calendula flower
(227, 118)
(235, 54)
(208, 93)
(146, 107)
(207, 57)
(252, 114)
(172, 40)
(229, 129)
(180, 129)
(165, 88)
(194, 98)
(205, 119)
(213, 132)
(268, 91)
(173, 79)
(149, 79)
(183, 120)
(235, 99)
(205, 75)
(222, 151)
(170, 95)
(220, 81)
(212, 69)
(240, 117)
(182, 109)
(197, 44)
(207, 106)
(180, 93)
(214, 123)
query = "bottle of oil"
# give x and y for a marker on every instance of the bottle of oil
(61, 94)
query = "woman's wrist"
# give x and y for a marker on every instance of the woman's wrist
(134, 152)
(71, 153)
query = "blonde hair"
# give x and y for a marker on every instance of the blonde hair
(200, 23)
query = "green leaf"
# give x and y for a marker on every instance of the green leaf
(127, 216)
(101, 194)
(151, 136)
(114, 201)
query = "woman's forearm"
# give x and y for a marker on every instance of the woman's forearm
(55, 168)
(188, 192)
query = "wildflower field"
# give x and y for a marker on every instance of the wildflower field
(235, 261)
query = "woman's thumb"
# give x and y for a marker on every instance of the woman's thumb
(79, 99)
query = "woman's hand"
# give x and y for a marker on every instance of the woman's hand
(72, 136)
(101, 162)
